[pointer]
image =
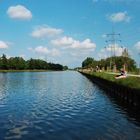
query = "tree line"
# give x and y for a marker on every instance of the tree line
(110, 62)
(18, 63)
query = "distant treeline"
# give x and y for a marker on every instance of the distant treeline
(18, 63)
(118, 61)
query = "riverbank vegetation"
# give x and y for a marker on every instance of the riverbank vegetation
(109, 63)
(20, 64)
(132, 82)
(102, 68)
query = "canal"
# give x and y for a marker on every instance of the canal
(61, 106)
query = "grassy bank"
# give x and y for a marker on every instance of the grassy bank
(132, 82)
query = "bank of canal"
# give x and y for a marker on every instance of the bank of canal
(61, 105)
(127, 89)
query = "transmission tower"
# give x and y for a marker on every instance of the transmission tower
(112, 41)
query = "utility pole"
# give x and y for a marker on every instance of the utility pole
(112, 41)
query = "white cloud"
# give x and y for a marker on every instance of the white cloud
(22, 55)
(66, 45)
(102, 55)
(55, 52)
(64, 41)
(45, 31)
(43, 50)
(137, 45)
(119, 17)
(110, 51)
(117, 50)
(86, 44)
(30, 49)
(69, 42)
(42, 57)
(19, 12)
(3, 45)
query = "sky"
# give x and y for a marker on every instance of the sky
(68, 31)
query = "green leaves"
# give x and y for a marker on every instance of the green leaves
(18, 63)
(109, 62)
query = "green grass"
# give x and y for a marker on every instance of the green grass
(132, 82)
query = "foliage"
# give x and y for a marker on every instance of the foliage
(65, 67)
(119, 61)
(18, 63)
(89, 62)
(3, 62)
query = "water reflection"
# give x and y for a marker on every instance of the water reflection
(60, 105)
(133, 113)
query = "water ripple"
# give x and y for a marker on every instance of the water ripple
(60, 105)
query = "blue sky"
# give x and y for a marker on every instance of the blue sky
(68, 31)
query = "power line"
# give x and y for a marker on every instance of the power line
(112, 41)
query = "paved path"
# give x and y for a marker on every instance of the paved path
(127, 74)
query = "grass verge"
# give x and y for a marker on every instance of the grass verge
(132, 82)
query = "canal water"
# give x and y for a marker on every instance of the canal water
(61, 106)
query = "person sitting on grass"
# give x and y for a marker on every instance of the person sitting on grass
(123, 74)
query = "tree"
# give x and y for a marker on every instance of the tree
(119, 61)
(87, 62)
(55, 66)
(16, 63)
(65, 67)
(30, 64)
(4, 62)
